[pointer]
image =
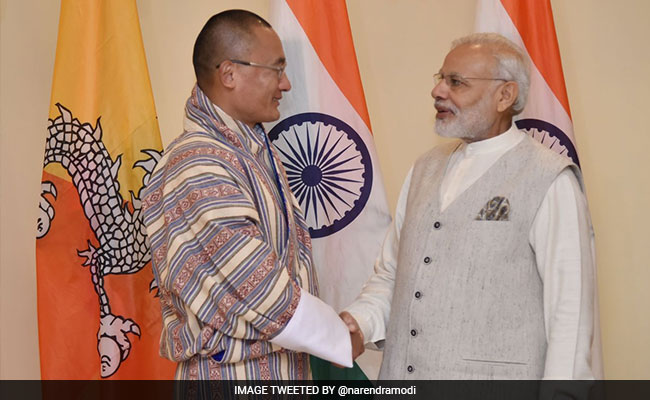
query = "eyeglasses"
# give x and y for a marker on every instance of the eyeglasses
(279, 70)
(456, 81)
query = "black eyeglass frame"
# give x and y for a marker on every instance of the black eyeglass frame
(279, 70)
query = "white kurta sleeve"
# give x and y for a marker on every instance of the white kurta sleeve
(371, 308)
(562, 238)
(315, 328)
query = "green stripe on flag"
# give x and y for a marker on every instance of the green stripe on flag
(322, 370)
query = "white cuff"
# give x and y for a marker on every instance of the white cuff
(374, 338)
(315, 328)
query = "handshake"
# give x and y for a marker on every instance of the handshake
(356, 336)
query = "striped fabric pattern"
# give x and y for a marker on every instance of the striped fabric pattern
(228, 260)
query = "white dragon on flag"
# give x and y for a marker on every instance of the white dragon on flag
(123, 247)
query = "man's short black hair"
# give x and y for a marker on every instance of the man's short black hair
(226, 35)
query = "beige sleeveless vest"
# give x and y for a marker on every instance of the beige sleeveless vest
(467, 301)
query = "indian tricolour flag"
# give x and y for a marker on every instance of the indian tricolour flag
(547, 117)
(327, 149)
(529, 24)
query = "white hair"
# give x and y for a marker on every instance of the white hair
(512, 62)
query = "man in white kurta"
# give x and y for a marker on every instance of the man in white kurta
(487, 271)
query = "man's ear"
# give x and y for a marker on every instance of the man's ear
(507, 95)
(226, 74)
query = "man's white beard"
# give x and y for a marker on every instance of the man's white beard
(470, 125)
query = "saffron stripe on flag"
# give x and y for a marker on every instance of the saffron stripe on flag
(540, 40)
(327, 27)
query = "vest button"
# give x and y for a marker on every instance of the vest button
(414, 332)
(418, 295)
(437, 224)
(427, 260)
(410, 369)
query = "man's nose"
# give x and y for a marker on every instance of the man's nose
(440, 90)
(285, 84)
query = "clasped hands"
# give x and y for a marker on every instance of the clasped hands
(356, 336)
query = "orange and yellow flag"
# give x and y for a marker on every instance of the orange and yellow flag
(98, 313)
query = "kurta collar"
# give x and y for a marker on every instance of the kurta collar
(500, 143)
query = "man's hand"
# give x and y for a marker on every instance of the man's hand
(356, 336)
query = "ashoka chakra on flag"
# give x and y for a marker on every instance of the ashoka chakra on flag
(328, 167)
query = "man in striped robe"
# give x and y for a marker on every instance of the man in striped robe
(230, 248)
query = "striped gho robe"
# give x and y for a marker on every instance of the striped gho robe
(228, 260)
